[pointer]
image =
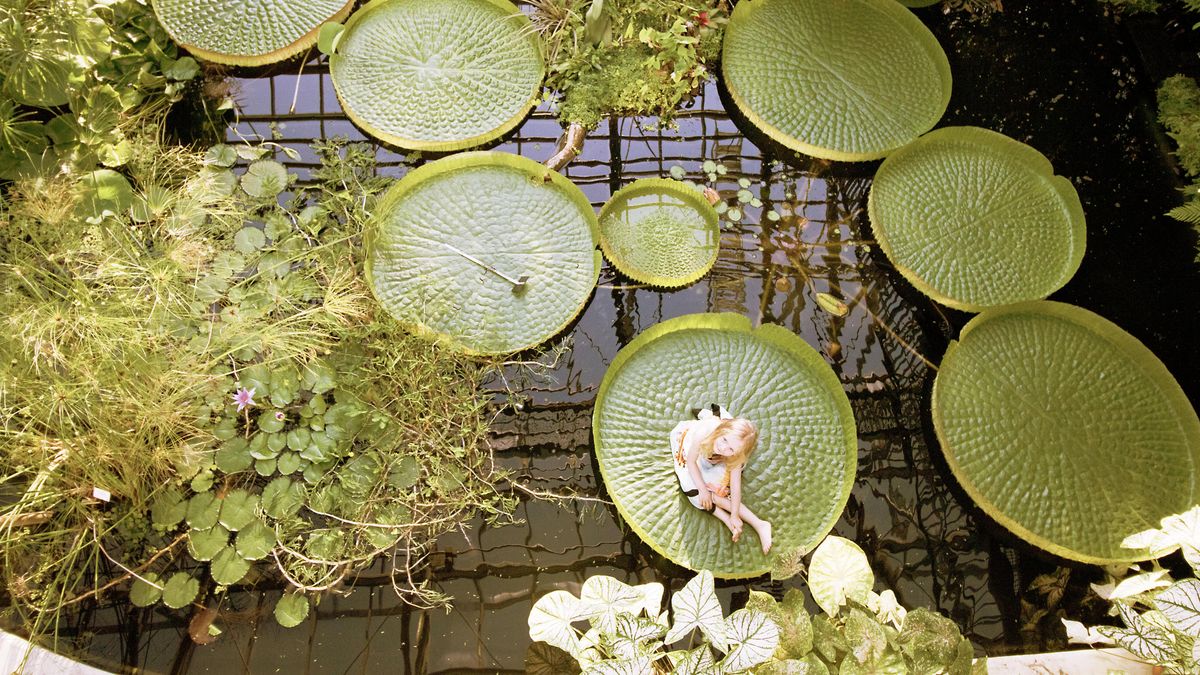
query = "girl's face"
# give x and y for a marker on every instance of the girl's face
(726, 446)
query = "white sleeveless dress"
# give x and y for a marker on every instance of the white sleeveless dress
(710, 472)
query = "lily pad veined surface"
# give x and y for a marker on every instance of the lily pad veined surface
(249, 32)
(847, 80)
(660, 232)
(1065, 429)
(975, 219)
(444, 238)
(437, 75)
(798, 478)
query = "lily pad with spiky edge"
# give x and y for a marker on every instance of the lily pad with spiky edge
(660, 232)
(247, 33)
(799, 478)
(437, 75)
(850, 80)
(1065, 429)
(442, 237)
(975, 219)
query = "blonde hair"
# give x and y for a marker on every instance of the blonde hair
(743, 431)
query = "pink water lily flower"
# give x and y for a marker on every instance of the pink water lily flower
(243, 398)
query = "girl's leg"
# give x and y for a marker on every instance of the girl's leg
(762, 527)
(723, 515)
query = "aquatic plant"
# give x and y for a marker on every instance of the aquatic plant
(627, 58)
(1160, 617)
(975, 219)
(112, 66)
(807, 450)
(628, 634)
(247, 34)
(859, 631)
(461, 72)
(1065, 429)
(660, 232)
(491, 253)
(848, 81)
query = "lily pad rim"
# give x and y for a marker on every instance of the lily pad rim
(1133, 349)
(776, 335)
(1066, 192)
(255, 60)
(785, 139)
(514, 14)
(466, 160)
(674, 188)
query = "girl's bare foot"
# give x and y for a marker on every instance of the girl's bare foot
(764, 535)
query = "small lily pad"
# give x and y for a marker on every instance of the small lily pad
(143, 594)
(291, 610)
(249, 239)
(256, 540)
(659, 232)
(203, 510)
(237, 509)
(204, 544)
(265, 178)
(228, 567)
(282, 497)
(168, 508)
(180, 590)
(234, 456)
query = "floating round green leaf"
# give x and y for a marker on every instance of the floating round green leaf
(180, 590)
(975, 219)
(247, 33)
(850, 81)
(291, 610)
(1065, 429)
(256, 540)
(202, 510)
(204, 544)
(438, 75)
(237, 509)
(491, 252)
(168, 508)
(264, 178)
(799, 478)
(228, 567)
(146, 590)
(660, 232)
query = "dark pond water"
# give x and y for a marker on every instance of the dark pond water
(1058, 75)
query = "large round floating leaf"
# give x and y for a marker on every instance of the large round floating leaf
(660, 232)
(799, 477)
(490, 251)
(1065, 429)
(850, 80)
(437, 75)
(975, 219)
(253, 33)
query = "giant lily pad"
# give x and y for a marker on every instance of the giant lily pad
(660, 232)
(444, 239)
(1065, 429)
(247, 33)
(799, 477)
(975, 219)
(850, 80)
(437, 74)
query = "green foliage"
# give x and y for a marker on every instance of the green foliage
(865, 632)
(1160, 618)
(108, 63)
(1179, 112)
(627, 632)
(632, 57)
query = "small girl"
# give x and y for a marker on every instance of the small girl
(709, 455)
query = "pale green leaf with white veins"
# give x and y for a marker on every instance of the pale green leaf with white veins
(491, 252)
(1065, 429)
(247, 32)
(437, 74)
(798, 478)
(850, 80)
(975, 219)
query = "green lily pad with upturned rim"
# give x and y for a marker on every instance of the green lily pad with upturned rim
(509, 213)
(660, 232)
(975, 219)
(1065, 429)
(849, 81)
(247, 33)
(438, 75)
(800, 476)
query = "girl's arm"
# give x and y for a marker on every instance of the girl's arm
(693, 467)
(735, 494)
